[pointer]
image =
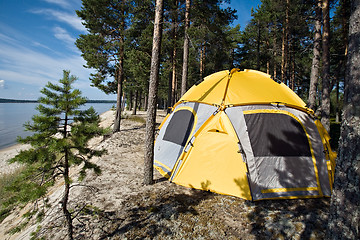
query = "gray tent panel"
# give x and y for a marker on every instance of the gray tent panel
(278, 151)
(317, 147)
(289, 194)
(237, 119)
(181, 125)
(318, 150)
(285, 172)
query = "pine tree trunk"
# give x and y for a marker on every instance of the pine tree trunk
(283, 58)
(316, 58)
(65, 198)
(174, 53)
(274, 59)
(258, 47)
(325, 96)
(135, 103)
(336, 80)
(292, 76)
(291, 66)
(267, 57)
(173, 75)
(154, 79)
(140, 100)
(284, 47)
(344, 212)
(130, 100)
(175, 90)
(146, 102)
(186, 49)
(117, 120)
(345, 35)
(202, 60)
(120, 73)
(337, 117)
(169, 100)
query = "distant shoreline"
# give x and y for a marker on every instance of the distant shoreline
(4, 100)
(106, 118)
(10, 129)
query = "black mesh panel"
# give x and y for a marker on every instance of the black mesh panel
(273, 134)
(179, 127)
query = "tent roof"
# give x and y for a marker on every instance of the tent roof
(242, 88)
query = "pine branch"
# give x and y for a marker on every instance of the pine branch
(92, 188)
(78, 212)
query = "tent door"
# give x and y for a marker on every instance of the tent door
(277, 152)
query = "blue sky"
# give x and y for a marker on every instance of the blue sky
(37, 43)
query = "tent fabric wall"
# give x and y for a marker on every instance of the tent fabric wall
(167, 152)
(300, 171)
(218, 166)
(254, 88)
(270, 147)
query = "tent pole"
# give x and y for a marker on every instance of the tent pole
(227, 85)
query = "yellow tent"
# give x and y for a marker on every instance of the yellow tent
(240, 133)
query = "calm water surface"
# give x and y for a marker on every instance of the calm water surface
(14, 115)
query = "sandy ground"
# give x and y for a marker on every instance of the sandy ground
(116, 205)
(8, 153)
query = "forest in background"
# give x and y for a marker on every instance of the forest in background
(302, 43)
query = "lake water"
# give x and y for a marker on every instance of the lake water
(14, 115)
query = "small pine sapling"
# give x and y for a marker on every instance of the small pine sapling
(60, 140)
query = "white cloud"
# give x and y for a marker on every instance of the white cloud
(63, 35)
(37, 44)
(22, 65)
(70, 19)
(15, 38)
(7, 39)
(29, 61)
(61, 3)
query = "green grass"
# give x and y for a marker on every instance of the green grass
(5, 181)
(137, 119)
(133, 118)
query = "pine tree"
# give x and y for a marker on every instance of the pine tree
(103, 46)
(154, 80)
(338, 51)
(208, 35)
(173, 56)
(277, 41)
(61, 134)
(326, 88)
(316, 58)
(344, 214)
(138, 51)
(186, 48)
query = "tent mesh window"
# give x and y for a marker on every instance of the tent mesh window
(180, 127)
(273, 134)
